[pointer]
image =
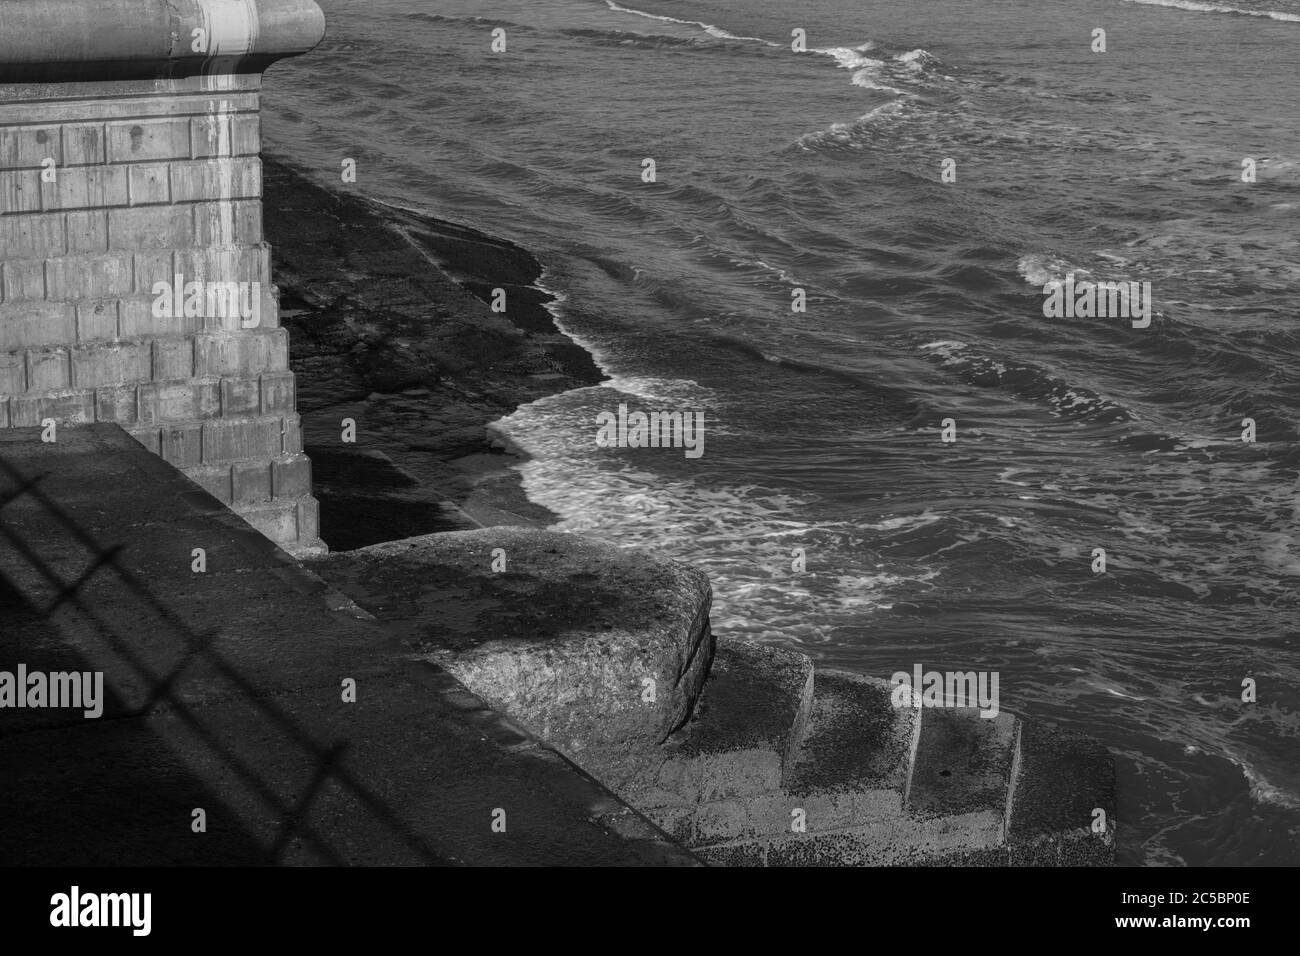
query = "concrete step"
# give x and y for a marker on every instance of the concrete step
(865, 783)
(744, 734)
(852, 768)
(871, 784)
(962, 764)
(849, 769)
(1061, 810)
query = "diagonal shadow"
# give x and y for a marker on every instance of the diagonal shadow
(102, 560)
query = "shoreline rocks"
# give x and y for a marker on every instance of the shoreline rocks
(389, 326)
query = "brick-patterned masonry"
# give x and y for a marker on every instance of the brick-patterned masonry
(109, 188)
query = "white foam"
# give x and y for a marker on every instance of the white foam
(708, 28)
(1040, 268)
(742, 536)
(851, 58)
(906, 522)
(1218, 8)
(1261, 789)
(916, 59)
(844, 134)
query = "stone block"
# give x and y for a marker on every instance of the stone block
(148, 227)
(153, 267)
(13, 373)
(85, 187)
(277, 521)
(252, 482)
(118, 404)
(746, 729)
(227, 223)
(110, 364)
(234, 178)
(31, 236)
(291, 477)
(97, 320)
(173, 358)
(87, 231)
(20, 191)
(24, 146)
(225, 134)
(135, 141)
(84, 144)
(149, 185)
(241, 354)
(241, 440)
(240, 397)
(33, 324)
(47, 369)
(71, 406)
(291, 433)
(182, 445)
(186, 400)
(24, 279)
(278, 393)
(148, 437)
(215, 480)
(89, 277)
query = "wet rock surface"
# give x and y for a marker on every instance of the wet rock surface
(389, 326)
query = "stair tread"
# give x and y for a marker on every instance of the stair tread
(856, 739)
(754, 697)
(745, 728)
(1062, 778)
(963, 762)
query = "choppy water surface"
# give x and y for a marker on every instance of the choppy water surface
(822, 171)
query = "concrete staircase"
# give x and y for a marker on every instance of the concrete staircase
(746, 754)
(782, 765)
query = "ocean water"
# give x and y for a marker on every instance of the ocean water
(822, 171)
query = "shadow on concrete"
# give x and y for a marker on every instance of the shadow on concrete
(123, 798)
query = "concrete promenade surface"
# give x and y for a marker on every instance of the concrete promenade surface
(224, 692)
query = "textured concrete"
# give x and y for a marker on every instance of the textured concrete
(225, 692)
(858, 741)
(875, 785)
(569, 637)
(963, 763)
(745, 732)
(1061, 779)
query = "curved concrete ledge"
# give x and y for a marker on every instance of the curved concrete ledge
(600, 650)
(83, 40)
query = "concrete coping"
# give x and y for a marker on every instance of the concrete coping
(91, 40)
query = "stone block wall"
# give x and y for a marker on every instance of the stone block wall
(135, 285)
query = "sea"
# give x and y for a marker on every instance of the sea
(841, 260)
